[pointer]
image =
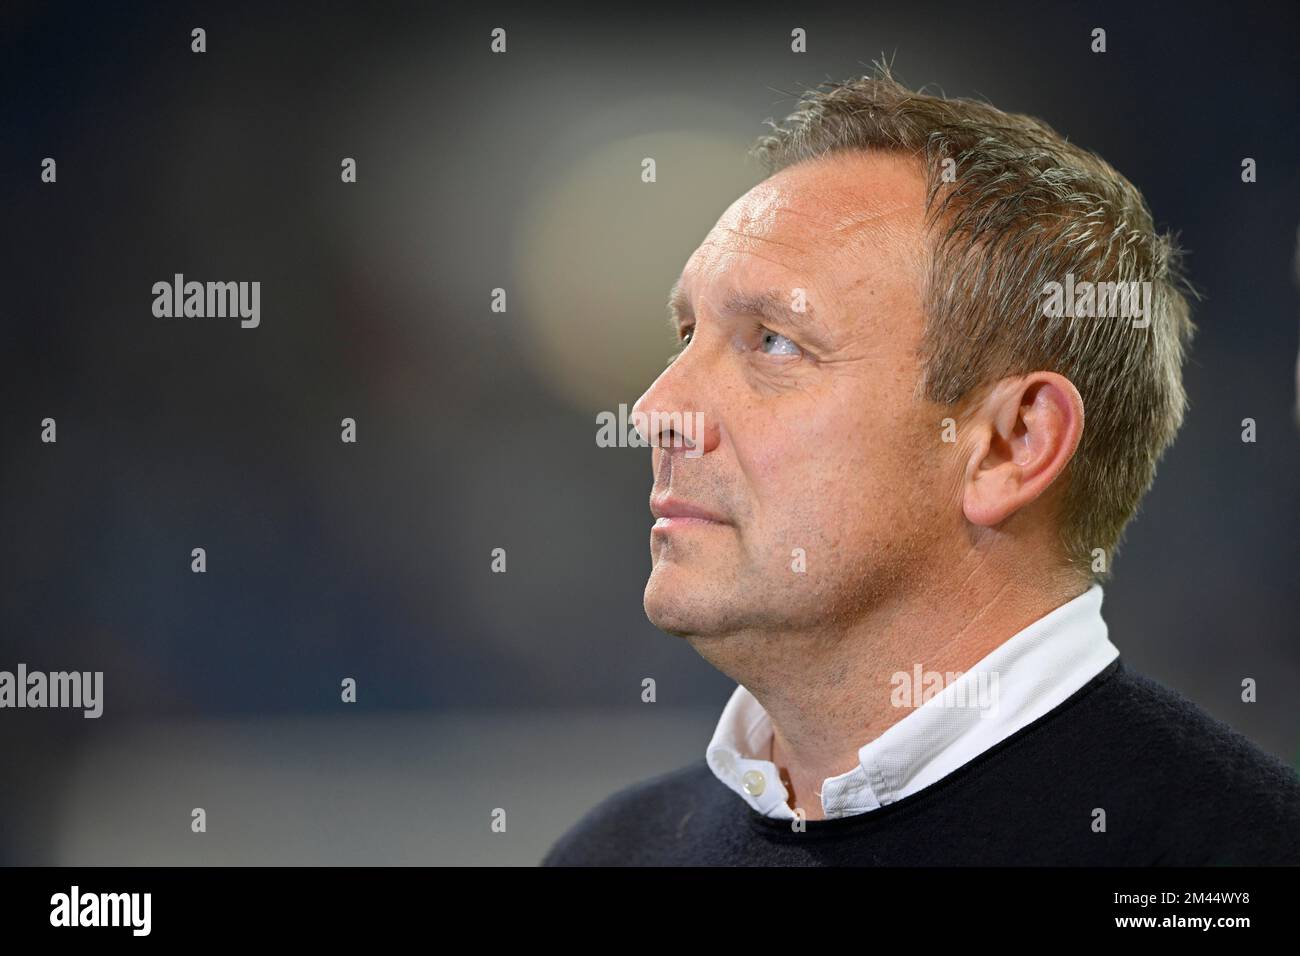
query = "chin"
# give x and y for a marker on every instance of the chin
(667, 615)
(676, 607)
(683, 610)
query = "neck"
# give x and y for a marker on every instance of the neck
(828, 691)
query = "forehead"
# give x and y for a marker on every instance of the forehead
(842, 227)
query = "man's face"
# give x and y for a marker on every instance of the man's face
(815, 452)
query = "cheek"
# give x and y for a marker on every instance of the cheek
(814, 473)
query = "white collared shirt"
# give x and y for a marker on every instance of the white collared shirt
(1022, 679)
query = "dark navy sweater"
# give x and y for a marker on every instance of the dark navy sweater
(1178, 787)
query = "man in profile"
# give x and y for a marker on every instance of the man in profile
(931, 406)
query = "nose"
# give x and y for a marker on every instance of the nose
(672, 412)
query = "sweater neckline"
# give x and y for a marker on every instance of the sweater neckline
(783, 828)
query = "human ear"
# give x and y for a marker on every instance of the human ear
(1028, 430)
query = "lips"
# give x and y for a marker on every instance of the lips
(678, 511)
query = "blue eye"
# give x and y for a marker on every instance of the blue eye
(773, 343)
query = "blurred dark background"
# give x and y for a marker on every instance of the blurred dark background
(476, 429)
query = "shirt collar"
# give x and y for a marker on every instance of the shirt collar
(1022, 679)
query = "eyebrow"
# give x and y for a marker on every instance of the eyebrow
(773, 305)
(678, 305)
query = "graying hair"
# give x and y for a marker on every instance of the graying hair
(1025, 208)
